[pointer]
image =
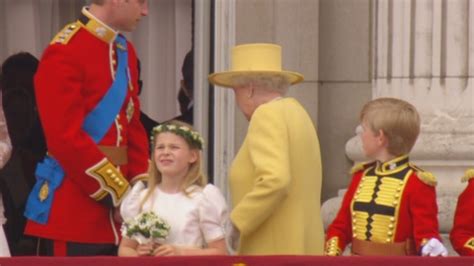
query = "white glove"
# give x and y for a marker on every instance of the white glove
(130, 206)
(434, 248)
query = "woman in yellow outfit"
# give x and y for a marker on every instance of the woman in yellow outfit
(275, 179)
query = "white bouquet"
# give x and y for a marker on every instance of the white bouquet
(145, 228)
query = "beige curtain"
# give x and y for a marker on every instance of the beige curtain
(162, 40)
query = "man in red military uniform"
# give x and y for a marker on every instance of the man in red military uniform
(462, 234)
(86, 88)
(390, 207)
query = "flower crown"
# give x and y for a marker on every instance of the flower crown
(191, 136)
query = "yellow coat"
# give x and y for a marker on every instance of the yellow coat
(275, 183)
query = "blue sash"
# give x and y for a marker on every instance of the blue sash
(49, 173)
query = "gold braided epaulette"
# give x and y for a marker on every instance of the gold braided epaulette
(425, 177)
(65, 35)
(361, 166)
(468, 175)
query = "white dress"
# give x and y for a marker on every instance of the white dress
(195, 220)
(5, 152)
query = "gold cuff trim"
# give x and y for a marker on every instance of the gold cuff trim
(332, 247)
(110, 179)
(99, 194)
(470, 243)
(140, 177)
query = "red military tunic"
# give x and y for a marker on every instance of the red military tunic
(75, 72)
(387, 206)
(462, 234)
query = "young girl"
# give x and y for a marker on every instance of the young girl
(177, 193)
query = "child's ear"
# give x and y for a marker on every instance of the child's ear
(382, 138)
(194, 156)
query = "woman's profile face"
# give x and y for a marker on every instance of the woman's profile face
(243, 97)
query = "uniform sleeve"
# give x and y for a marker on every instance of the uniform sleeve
(213, 214)
(138, 138)
(339, 232)
(424, 211)
(462, 234)
(267, 141)
(61, 105)
(5, 143)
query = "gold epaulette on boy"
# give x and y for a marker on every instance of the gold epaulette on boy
(426, 177)
(361, 166)
(65, 35)
(468, 175)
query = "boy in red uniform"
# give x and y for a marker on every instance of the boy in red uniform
(86, 89)
(390, 206)
(462, 234)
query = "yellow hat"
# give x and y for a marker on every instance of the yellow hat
(254, 58)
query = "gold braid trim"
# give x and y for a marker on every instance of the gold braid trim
(332, 247)
(468, 175)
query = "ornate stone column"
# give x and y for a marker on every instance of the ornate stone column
(423, 52)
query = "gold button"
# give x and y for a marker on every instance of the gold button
(390, 226)
(116, 180)
(354, 235)
(390, 233)
(354, 228)
(392, 219)
(354, 220)
(120, 183)
(387, 240)
(109, 171)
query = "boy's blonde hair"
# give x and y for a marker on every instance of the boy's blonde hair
(194, 175)
(398, 119)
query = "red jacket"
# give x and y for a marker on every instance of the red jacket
(462, 234)
(408, 203)
(75, 72)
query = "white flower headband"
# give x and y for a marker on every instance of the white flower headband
(191, 136)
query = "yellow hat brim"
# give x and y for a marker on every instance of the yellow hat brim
(226, 79)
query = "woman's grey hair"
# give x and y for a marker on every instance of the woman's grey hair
(263, 81)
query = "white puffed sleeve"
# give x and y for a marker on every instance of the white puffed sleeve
(130, 206)
(213, 214)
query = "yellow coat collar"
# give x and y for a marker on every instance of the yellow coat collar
(97, 27)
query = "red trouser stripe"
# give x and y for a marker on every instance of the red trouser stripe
(59, 248)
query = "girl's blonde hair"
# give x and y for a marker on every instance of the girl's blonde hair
(398, 119)
(194, 175)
